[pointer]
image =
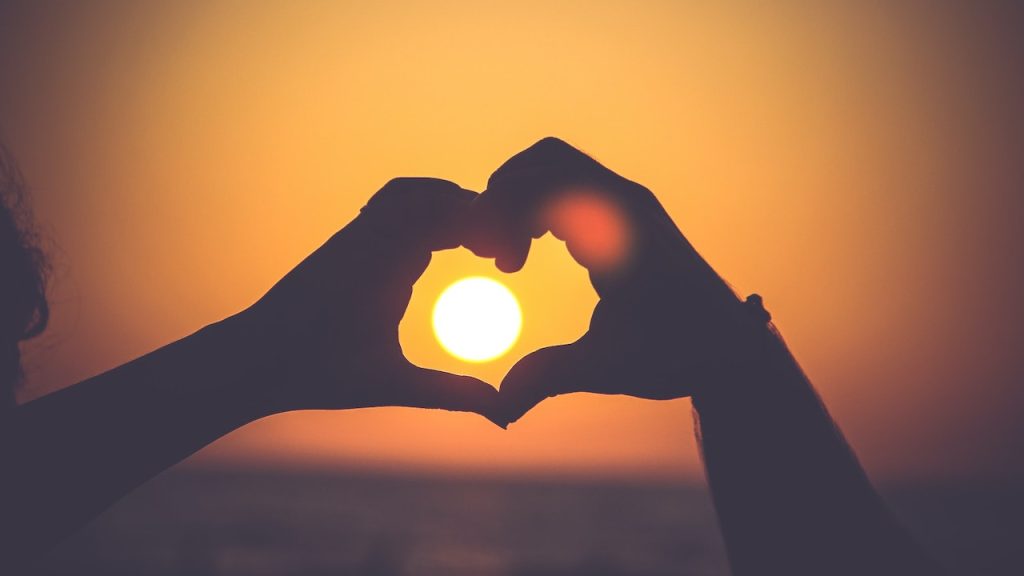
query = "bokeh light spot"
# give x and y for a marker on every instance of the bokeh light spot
(594, 228)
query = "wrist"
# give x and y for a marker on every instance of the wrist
(746, 350)
(251, 365)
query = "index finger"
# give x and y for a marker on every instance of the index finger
(427, 214)
(606, 220)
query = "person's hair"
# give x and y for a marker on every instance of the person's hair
(24, 311)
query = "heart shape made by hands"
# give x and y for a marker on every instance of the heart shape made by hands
(552, 293)
(657, 330)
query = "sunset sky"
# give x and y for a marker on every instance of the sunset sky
(860, 167)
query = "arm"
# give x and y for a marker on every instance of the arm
(791, 497)
(324, 337)
(71, 454)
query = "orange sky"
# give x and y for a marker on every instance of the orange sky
(857, 166)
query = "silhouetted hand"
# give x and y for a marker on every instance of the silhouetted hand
(664, 321)
(328, 331)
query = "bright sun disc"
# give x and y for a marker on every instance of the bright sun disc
(477, 319)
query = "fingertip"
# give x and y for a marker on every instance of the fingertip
(509, 263)
(540, 375)
(485, 402)
(516, 415)
(513, 257)
(437, 389)
(519, 394)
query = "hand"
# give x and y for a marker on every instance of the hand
(327, 333)
(664, 321)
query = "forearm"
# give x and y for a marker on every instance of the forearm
(71, 454)
(790, 495)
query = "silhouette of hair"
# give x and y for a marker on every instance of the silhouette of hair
(24, 311)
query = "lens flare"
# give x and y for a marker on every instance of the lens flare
(477, 319)
(595, 229)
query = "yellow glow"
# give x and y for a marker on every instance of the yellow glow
(477, 319)
(186, 162)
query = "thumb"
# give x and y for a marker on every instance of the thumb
(543, 374)
(441, 390)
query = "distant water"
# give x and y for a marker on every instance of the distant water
(203, 523)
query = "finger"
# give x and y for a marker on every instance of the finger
(509, 212)
(421, 213)
(494, 229)
(425, 388)
(554, 187)
(557, 160)
(513, 259)
(543, 374)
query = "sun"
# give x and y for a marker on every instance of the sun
(477, 319)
